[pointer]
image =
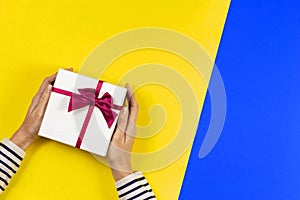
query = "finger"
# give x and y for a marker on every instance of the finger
(47, 81)
(33, 104)
(51, 79)
(131, 128)
(133, 106)
(130, 134)
(123, 117)
(41, 107)
(69, 69)
(121, 126)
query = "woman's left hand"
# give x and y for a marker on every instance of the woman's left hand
(27, 132)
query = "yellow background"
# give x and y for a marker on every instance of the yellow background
(37, 37)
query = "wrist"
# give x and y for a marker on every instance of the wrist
(120, 169)
(22, 139)
(118, 175)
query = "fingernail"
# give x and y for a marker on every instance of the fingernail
(124, 111)
(49, 88)
(69, 69)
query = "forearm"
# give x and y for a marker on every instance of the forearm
(11, 156)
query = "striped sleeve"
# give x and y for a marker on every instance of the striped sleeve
(134, 186)
(10, 159)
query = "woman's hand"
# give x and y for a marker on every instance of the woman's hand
(27, 132)
(122, 141)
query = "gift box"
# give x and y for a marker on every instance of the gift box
(82, 112)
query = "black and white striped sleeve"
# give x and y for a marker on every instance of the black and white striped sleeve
(134, 186)
(10, 159)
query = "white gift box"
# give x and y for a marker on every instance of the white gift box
(84, 127)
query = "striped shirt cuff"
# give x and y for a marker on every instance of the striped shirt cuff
(10, 159)
(134, 186)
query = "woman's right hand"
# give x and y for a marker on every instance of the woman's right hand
(119, 151)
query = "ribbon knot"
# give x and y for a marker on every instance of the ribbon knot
(88, 97)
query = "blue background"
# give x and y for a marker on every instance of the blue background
(258, 153)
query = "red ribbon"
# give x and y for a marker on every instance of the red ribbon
(89, 97)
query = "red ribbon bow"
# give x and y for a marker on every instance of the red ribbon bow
(87, 96)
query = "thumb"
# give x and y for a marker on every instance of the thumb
(44, 100)
(123, 117)
(122, 124)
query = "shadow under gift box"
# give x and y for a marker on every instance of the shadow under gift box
(86, 125)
